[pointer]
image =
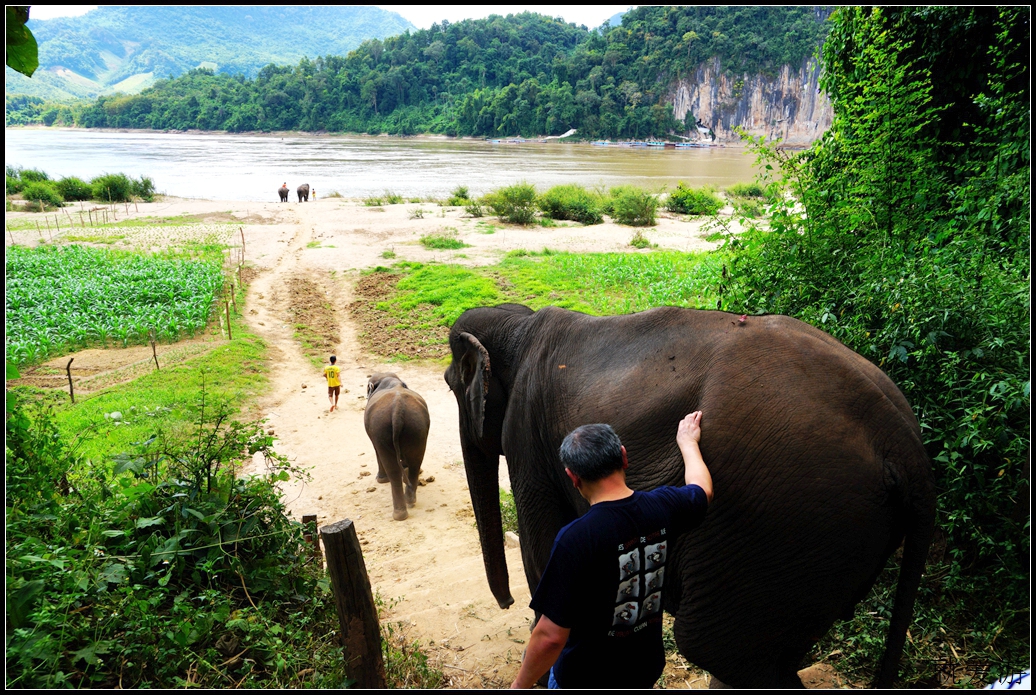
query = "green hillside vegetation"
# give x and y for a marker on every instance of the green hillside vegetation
(524, 74)
(126, 48)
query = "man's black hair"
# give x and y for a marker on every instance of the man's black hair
(592, 452)
(333, 359)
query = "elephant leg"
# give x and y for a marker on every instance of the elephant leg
(382, 477)
(395, 475)
(413, 471)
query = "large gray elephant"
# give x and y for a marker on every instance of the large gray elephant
(816, 458)
(303, 192)
(283, 193)
(396, 420)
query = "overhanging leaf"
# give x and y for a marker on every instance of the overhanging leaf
(22, 51)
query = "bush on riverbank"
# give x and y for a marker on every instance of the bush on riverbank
(107, 188)
(693, 201)
(571, 202)
(515, 204)
(632, 205)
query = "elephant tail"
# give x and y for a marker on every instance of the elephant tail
(398, 425)
(920, 527)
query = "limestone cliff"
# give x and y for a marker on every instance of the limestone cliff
(790, 106)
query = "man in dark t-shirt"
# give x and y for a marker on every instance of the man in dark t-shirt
(600, 596)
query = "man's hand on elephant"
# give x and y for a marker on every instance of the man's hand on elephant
(688, 434)
(689, 429)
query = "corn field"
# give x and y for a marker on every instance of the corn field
(75, 296)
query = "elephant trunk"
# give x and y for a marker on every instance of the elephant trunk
(484, 484)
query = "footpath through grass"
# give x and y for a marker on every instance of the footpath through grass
(405, 311)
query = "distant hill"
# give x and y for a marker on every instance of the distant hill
(126, 49)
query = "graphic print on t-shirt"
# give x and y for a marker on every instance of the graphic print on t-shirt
(641, 572)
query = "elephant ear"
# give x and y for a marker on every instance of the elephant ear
(474, 374)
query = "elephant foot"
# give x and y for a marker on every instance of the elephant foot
(399, 514)
(381, 478)
(411, 498)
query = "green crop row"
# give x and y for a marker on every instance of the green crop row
(72, 296)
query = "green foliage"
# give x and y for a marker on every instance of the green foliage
(459, 197)
(151, 568)
(475, 209)
(43, 192)
(448, 241)
(632, 205)
(70, 296)
(693, 201)
(515, 203)
(373, 202)
(639, 241)
(143, 188)
(523, 74)
(746, 190)
(22, 52)
(391, 198)
(907, 238)
(74, 188)
(14, 185)
(571, 202)
(508, 511)
(32, 175)
(112, 188)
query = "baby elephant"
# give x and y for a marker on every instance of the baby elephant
(397, 422)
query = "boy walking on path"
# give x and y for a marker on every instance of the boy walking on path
(334, 382)
(600, 596)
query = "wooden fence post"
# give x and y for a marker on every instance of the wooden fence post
(152, 336)
(226, 304)
(242, 230)
(357, 616)
(68, 370)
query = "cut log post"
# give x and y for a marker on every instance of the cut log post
(68, 370)
(242, 230)
(357, 616)
(227, 305)
(233, 296)
(10, 234)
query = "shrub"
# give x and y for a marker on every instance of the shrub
(14, 185)
(143, 188)
(33, 175)
(571, 202)
(112, 188)
(73, 188)
(639, 241)
(372, 202)
(746, 190)
(459, 197)
(516, 204)
(693, 201)
(633, 206)
(393, 198)
(475, 209)
(43, 192)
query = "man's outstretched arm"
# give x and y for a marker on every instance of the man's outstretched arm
(545, 645)
(688, 434)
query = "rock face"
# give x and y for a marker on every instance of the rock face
(790, 107)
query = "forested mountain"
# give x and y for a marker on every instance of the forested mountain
(126, 48)
(524, 74)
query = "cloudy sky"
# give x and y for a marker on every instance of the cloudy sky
(422, 16)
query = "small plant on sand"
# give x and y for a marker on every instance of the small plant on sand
(392, 198)
(445, 241)
(417, 214)
(388, 253)
(475, 209)
(639, 241)
(373, 201)
(459, 197)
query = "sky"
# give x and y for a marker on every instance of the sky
(421, 16)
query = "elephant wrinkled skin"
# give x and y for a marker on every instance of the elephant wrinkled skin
(396, 420)
(303, 192)
(816, 458)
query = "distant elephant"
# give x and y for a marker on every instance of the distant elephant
(303, 192)
(816, 458)
(283, 193)
(396, 420)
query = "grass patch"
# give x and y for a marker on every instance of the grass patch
(443, 242)
(508, 511)
(388, 253)
(406, 311)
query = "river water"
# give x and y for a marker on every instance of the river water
(251, 167)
